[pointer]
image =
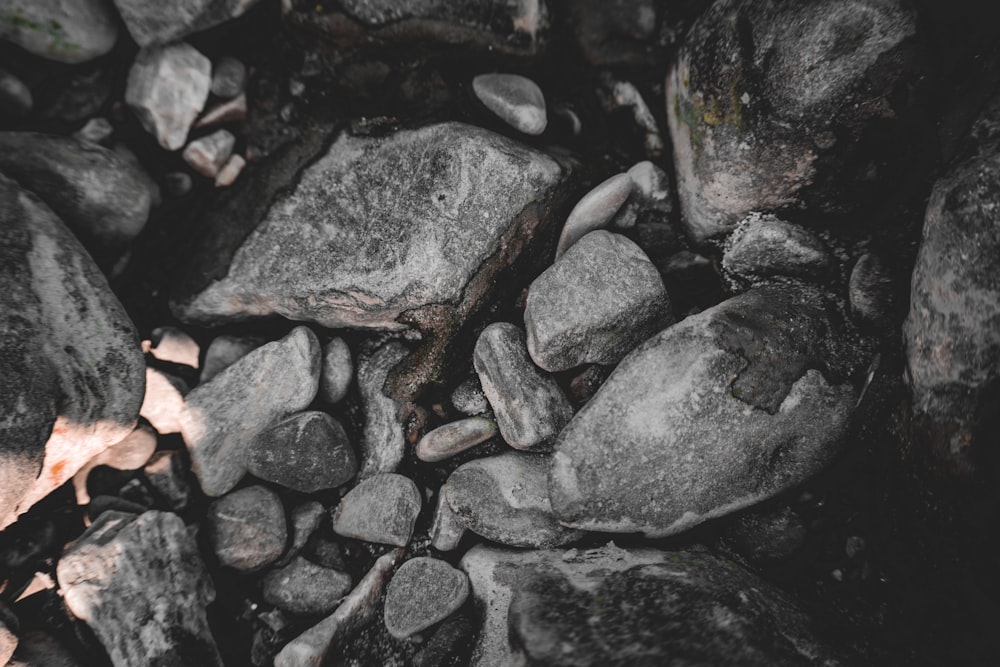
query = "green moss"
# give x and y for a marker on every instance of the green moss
(53, 29)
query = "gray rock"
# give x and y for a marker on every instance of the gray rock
(39, 649)
(337, 371)
(381, 509)
(469, 399)
(420, 223)
(595, 304)
(163, 403)
(766, 536)
(207, 155)
(166, 473)
(650, 202)
(16, 100)
(447, 528)
(595, 210)
(141, 586)
(246, 528)
(222, 417)
(97, 131)
(223, 351)
(762, 246)
(229, 78)
(454, 438)
(302, 587)
(167, 88)
(129, 454)
(67, 32)
(515, 99)
(152, 23)
(306, 451)
(382, 443)
(871, 293)
(505, 499)
(423, 592)
(95, 192)
(722, 410)
(774, 121)
(71, 376)
(230, 171)
(530, 407)
(305, 520)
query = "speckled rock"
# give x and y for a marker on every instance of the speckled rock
(722, 410)
(515, 99)
(595, 304)
(337, 371)
(150, 22)
(306, 452)
(67, 32)
(762, 246)
(302, 587)
(380, 509)
(423, 591)
(595, 210)
(454, 438)
(246, 528)
(382, 442)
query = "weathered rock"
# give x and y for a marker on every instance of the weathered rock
(208, 154)
(382, 443)
(423, 592)
(173, 345)
(447, 528)
(595, 304)
(770, 535)
(152, 23)
(230, 171)
(337, 371)
(469, 399)
(129, 454)
(71, 376)
(530, 407)
(16, 100)
(140, 585)
(95, 192)
(67, 32)
(229, 78)
(223, 351)
(762, 246)
(305, 520)
(167, 89)
(166, 473)
(595, 210)
(515, 99)
(307, 452)
(406, 231)
(302, 587)
(163, 403)
(871, 293)
(454, 438)
(725, 409)
(767, 100)
(380, 509)
(222, 417)
(39, 649)
(505, 498)
(246, 528)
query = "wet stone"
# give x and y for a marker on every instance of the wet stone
(454, 438)
(302, 587)
(515, 99)
(246, 528)
(381, 509)
(423, 592)
(306, 452)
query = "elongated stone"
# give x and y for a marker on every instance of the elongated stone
(454, 438)
(516, 99)
(595, 210)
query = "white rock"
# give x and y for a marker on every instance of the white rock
(163, 403)
(595, 210)
(517, 100)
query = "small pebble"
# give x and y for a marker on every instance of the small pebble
(595, 210)
(96, 131)
(15, 102)
(173, 345)
(454, 438)
(223, 351)
(447, 529)
(423, 592)
(517, 100)
(246, 528)
(166, 472)
(381, 509)
(469, 399)
(305, 520)
(163, 403)
(229, 78)
(230, 171)
(129, 454)
(302, 587)
(208, 154)
(230, 111)
(305, 452)
(337, 371)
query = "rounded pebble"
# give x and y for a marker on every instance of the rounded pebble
(454, 438)
(337, 371)
(423, 592)
(302, 587)
(517, 100)
(228, 78)
(381, 509)
(246, 528)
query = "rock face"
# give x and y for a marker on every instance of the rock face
(152, 23)
(422, 592)
(95, 191)
(408, 231)
(595, 304)
(72, 373)
(67, 32)
(140, 585)
(767, 100)
(720, 411)
(306, 452)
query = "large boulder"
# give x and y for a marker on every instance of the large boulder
(67, 32)
(725, 409)
(410, 231)
(72, 374)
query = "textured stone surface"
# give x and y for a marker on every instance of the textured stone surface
(766, 101)
(595, 210)
(515, 99)
(67, 32)
(762, 246)
(222, 417)
(307, 452)
(380, 509)
(140, 585)
(71, 376)
(302, 587)
(723, 410)
(150, 22)
(423, 592)
(382, 442)
(595, 304)
(454, 438)
(505, 499)
(530, 407)
(337, 372)
(246, 528)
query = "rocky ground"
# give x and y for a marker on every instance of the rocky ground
(548, 332)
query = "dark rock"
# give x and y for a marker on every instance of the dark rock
(307, 452)
(382, 443)
(73, 32)
(381, 509)
(130, 454)
(454, 438)
(39, 649)
(166, 473)
(768, 535)
(140, 585)
(302, 587)
(515, 99)
(337, 372)
(152, 23)
(423, 592)
(871, 293)
(763, 246)
(595, 304)
(15, 96)
(246, 528)
(620, 32)
(447, 644)
(229, 78)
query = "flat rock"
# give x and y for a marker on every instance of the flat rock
(71, 376)
(381, 509)
(423, 591)
(382, 442)
(407, 231)
(515, 99)
(95, 191)
(529, 406)
(337, 371)
(66, 32)
(505, 499)
(454, 438)
(774, 121)
(306, 451)
(722, 410)
(763, 246)
(141, 586)
(222, 417)
(247, 529)
(167, 88)
(152, 23)
(302, 587)
(595, 304)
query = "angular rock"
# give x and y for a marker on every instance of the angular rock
(163, 403)
(337, 372)
(382, 443)
(595, 304)
(71, 376)
(129, 454)
(306, 452)
(408, 231)
(302, 587)
(762, 246)
(208, 154)
(447, 528)
(871, 293)
(174, 345)
(381, 509)
(141, 586)
(530, 407)
(423, 592)
(246, 528)
(767, 101)
(152, 23)
(720, 411)
(515, 99)
(505, 499)
(16, 100)
(305, 520)
(222, 417)
(67, 32)
(454, 438)
(595, 210)
(223, 351)
(94, 190)
(39, 649)
(167, 88)
(229, 78)
(166, 473)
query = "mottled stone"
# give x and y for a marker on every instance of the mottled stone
(129, 454)
(515, 99)
(229, 78)
(166, 473)
(762, 246)
(163, 402)
(150, 22)
(302, 587)
(246, 528)
(66, 32)
(454, 438)
(306, 452)
(381, 509)
(423, 592)
(382, 442)
(141, 586)
(207, 155)
(337, 371)
(223, 351)
(16, 100)
(595, 210)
